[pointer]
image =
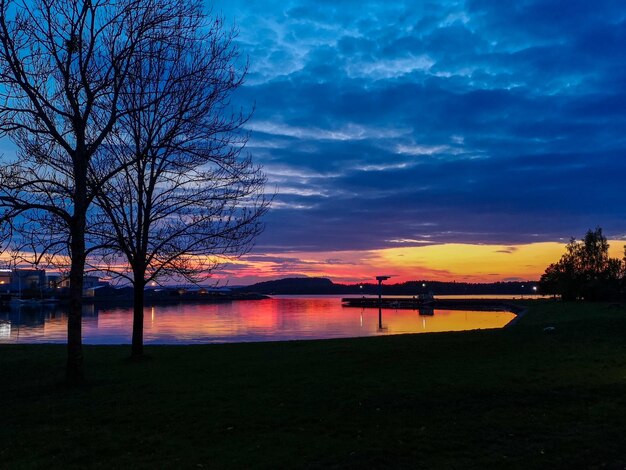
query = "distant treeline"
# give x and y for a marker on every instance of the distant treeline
(321, 286)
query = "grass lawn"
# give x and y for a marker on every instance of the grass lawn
(513, 398)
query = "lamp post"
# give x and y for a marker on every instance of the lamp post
(380, 280)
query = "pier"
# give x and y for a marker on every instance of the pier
(386, 302)
(419, 302)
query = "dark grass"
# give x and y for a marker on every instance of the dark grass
(513, 398)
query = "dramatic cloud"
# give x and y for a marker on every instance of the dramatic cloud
(405, 123)
(431, 123)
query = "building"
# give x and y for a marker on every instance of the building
(5, 279)
(27, 279)
(21, 280)
(57, 281)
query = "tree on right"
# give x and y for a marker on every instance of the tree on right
(585, 271)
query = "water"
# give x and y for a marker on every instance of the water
(277, 319)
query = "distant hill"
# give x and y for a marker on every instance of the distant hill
(321, 286)
(296, 285)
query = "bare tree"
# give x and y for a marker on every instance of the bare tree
(190, 193)
(63, 67)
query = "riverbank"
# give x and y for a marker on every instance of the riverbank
(520, 397)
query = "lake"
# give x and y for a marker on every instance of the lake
(277, 319)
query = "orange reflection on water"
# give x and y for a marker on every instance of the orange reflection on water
(276, 319)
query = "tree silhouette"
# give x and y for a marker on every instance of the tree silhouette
(585, 270)
(64, 66)
(189, 192)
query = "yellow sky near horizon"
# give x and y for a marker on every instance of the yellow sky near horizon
(444, 262)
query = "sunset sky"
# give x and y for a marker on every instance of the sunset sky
(453, 139)
(433, 139)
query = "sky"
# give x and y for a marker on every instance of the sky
(460, 140)
(463, 140)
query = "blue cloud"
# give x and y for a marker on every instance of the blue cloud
(453, 121)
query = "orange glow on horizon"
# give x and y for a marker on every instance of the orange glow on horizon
(445, 262)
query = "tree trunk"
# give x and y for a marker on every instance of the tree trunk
(74, 372)
(138, 304)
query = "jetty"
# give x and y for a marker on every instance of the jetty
(389, 302)
(428, 301)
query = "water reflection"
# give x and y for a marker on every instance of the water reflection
(284, 318)
(426, 310)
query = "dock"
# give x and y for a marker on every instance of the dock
(387, 302)
(425, 302)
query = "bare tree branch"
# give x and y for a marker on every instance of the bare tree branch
(65, 69)
(187, 192)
